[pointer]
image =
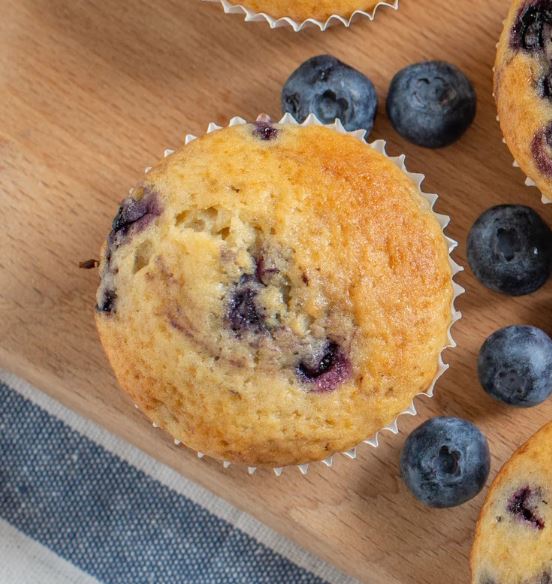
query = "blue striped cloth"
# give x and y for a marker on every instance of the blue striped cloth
(78, 505)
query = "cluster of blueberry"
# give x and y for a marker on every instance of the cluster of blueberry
(430, 104)
(510, 251)
(445, 462)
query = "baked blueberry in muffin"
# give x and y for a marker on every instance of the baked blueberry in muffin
(523, 74)
(513, 541)
(272, 294)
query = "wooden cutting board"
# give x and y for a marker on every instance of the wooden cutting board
(91, 93)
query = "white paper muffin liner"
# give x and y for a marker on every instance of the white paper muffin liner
(379, 146)
(252, 16)
(530, 182)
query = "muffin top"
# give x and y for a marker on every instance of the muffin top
(513, 542)
(300, 10)
(523, 89)
(272, 294)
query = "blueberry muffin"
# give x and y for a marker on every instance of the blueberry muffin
(513, 542)
(272, 294)
(301, 10)
(523, 89)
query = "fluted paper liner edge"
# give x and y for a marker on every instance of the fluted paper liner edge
(252, 16)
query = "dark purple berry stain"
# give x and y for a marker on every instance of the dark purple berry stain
(532, 26)
(541, 148)
(522, 506)
(544, 86)
(265, 271)
(326, 370)
(133, 216)
(265, 131)
(107, 303)
(243, 313)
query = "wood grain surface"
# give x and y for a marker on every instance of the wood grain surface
(92, 92)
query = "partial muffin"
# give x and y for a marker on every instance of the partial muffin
(272, 294)
(513, 542)
(523, 89)
(301, 10)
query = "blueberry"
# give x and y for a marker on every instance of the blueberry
(530, 29)
(445, 462)
(510, 250)
(515, 366)
(331, 89)
(134, 215)
(544, 86)
(523, 506)
(265, 131)
(107, 303)
(243, 313)
(326, 370)
(431, 104)
(541, 149)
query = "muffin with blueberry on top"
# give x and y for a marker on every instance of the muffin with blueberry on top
(272, 293)
(523, 89)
